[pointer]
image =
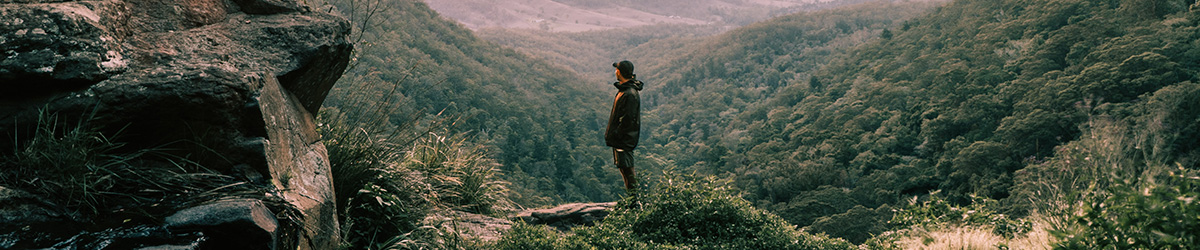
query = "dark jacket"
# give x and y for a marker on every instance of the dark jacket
(625, 122)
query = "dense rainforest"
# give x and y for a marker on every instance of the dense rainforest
(831, 119)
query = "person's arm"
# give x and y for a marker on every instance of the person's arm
(629, 127)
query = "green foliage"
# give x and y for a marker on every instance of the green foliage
(376, 199)
(389, 177)
(856, 225)
(935, 211)
(680, 212)
(1112, 189)
(391, 204)
(532, 237)
(389, 180)
(70, 162)
(1158, 214)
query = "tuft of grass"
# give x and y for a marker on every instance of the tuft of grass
(69, 163)
(463, 175)
(390, 169)
(88, 174)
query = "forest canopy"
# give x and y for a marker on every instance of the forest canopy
(827, 118)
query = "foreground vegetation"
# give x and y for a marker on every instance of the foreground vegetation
(678, 212)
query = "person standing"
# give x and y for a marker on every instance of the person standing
(624, 124)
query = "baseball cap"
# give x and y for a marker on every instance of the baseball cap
(625, 67)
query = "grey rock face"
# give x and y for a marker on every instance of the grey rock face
(54, 47)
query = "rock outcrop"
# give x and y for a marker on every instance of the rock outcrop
(227, 82)
(232, 224)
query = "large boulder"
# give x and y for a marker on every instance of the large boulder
(223, 82)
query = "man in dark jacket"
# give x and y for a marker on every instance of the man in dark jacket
(624, 123)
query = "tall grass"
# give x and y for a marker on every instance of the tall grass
(392, 166)
(90, 175)
(462, 173)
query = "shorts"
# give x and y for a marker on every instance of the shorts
(623, 158)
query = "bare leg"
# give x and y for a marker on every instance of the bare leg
(630, 181)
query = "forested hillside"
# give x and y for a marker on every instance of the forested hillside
(541, 123)
(959, 101)
(841, 121)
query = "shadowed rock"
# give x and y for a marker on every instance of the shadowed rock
(225, 83)
(229, 224)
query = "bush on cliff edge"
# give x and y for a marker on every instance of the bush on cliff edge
(679, 212)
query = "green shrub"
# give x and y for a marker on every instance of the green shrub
(1160, 214)
(681, 213)
(856, 225)
(537, 237)
(1112, 189)
(937, 211)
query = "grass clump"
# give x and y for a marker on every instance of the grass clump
(71, 164)
(392, 169)
(90, 177)
(462, 174)
(680, 212)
